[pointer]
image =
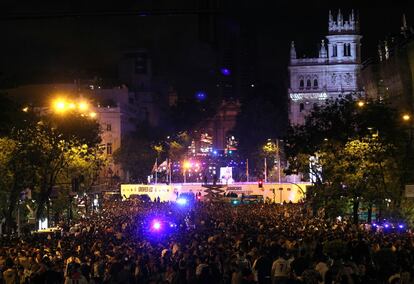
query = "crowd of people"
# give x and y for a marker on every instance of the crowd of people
(205, 242)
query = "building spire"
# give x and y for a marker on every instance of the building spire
(404, 27)
(322, 52)
(292, 50)
(340, 18)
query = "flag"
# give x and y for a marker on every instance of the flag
(163, 166)
(155, 167)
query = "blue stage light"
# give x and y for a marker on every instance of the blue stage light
(225, 71)
(401, 226)
(156, 225)
(182, 201)
(201, 95)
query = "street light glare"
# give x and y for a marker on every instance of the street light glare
(361, 103)
(187, 165)
(406, 117)
(59, 105)
(83, 106)
(92, 114)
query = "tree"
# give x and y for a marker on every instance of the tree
(74, 125)
(136, 156)
(84, 164)
(350, 153)
(7, 151)
(369, 173)
(35, 152)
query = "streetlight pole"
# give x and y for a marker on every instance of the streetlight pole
(407, 168)
(278, 160)
(247, 170)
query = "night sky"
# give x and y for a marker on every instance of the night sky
(44, 41)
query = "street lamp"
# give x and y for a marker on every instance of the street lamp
(186, 166)
(83, 106)
(406, 117)
(59, 105)
(361, 103)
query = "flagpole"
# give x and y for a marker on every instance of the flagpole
(265, 170)
(278, 159)
(156, 170)
(170, 164)
(247, 169)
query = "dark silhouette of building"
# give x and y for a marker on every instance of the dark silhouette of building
(390, 74)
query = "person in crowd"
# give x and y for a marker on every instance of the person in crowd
(208, 243)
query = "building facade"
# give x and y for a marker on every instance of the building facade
(219, 126)
(335, 72)
(390, 75)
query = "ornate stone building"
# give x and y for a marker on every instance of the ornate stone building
(334, 72)
(390, 75)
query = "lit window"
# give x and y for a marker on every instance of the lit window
(109, 148)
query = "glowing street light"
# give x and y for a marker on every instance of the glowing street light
(25, 109)
(361, 104)
(59, 105)
(406, 117)
(92, 114)
(83, 106)
(187, 164)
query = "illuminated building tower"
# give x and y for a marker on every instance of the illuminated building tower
(221, 124)
(334, 72)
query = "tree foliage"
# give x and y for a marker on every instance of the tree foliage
(39, 152)
(351, 154)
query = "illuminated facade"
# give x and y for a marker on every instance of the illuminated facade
(334, 72)
(219, 127)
